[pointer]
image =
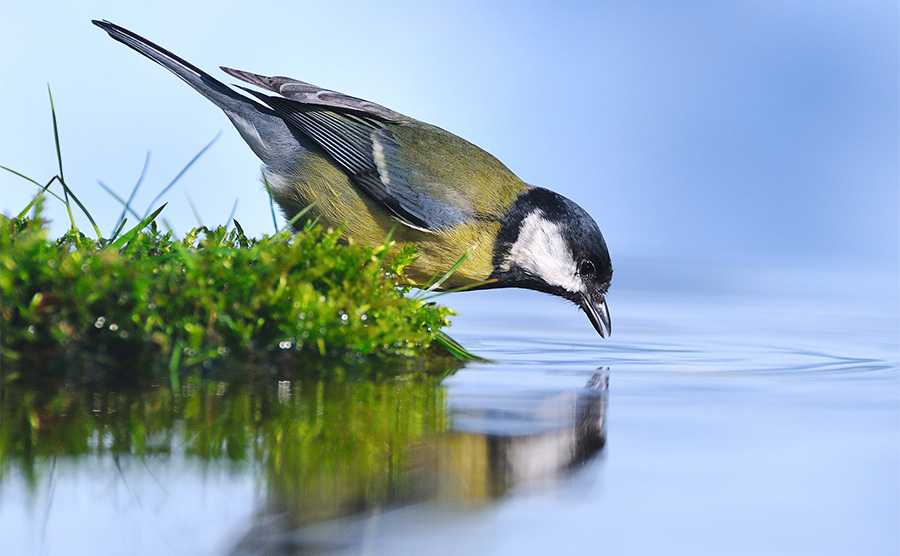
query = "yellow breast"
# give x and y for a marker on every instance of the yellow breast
(338, 204)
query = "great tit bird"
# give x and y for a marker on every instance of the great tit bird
(368, 170)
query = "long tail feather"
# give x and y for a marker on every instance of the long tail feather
(261, 128)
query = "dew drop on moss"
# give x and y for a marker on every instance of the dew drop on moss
(284, 391)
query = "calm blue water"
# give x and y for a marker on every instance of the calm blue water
(726, 415)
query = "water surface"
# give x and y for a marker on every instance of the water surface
(722, 417)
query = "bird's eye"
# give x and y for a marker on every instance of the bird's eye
(586, 268)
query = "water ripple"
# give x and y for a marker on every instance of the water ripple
(715, 357)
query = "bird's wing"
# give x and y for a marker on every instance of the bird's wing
(308, 93)
(428, 178)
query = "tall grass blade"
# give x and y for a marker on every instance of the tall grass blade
(118, 198)
(35, 199)
(130, 234)
(72, 225)
(34, 181)
(182, 172)
(389, 237)
(118, 230)
(296, 218)
(231, 216)
(83, 209)
(194, 210)
(467, 287)
(127, 206)
(450, 272)
(62, 178)
(271, 201)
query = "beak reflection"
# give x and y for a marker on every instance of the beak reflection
(594, 305)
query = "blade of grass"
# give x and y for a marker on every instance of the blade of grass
(231, 216)
(194, 210)
(35, 199)
(467, 287)
(389, 237)
(72, 225)
(118, 230)
(181, 173)
(33, 181)
(127, 206)
(130, 234)
(271, 202)
(121, 201)
(456, 349)
(450, 272)
(59, 160)
(294, 219)
(62, 178)
(239, 228)
(83, 209)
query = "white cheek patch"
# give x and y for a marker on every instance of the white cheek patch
(541, 251)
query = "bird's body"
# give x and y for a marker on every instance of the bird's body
(317, 182)
(337, 203)
(371, 172)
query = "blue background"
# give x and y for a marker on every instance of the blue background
(756, 134)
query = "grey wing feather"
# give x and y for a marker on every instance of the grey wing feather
(308, 93)
(366, 150)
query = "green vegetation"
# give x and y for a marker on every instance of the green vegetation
(144, 293)
(211, 293)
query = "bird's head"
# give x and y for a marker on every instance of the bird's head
(550, 244)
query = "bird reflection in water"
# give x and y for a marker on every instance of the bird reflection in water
(488, 452)
(545, 439)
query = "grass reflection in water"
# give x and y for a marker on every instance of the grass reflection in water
(324, 444)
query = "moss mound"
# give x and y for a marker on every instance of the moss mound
(213, 292)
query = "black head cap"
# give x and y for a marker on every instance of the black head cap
(550, 244)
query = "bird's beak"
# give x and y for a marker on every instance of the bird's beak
(594, 305)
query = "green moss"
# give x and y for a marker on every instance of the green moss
(212, 293)
(159, 301)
